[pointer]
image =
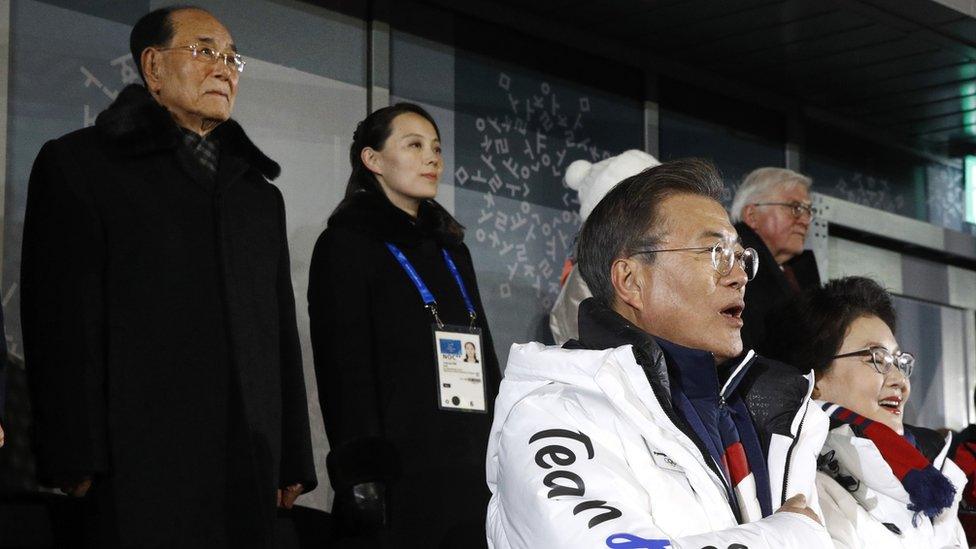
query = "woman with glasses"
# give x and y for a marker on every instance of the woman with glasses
(881, 483)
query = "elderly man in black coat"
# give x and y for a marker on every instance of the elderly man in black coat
(772, 212)
(158, 311)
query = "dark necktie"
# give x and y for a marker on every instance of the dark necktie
(791, 278)
(204, 150)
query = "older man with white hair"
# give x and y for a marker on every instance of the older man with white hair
(772, 212)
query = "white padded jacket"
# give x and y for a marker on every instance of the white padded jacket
(582, 455)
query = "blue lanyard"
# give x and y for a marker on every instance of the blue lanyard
(425, 294)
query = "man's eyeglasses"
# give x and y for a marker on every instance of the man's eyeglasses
(884, 361)
(724, 258)
(798, 209)
(210, 56)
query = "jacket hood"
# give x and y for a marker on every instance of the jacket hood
(137, 125)
(372, 214)
(605, 338)
(603, 328)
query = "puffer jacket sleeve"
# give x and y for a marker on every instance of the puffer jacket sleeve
(959, 535)
(562, 483)
(839, 524)
(948, 524)
(791, 427)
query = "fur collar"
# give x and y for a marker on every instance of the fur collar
(371, 213)
(137, 125)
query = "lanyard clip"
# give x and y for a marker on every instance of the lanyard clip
(432, 307)
(474, 318)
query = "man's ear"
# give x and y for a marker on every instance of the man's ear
(627, 282)
(749, 215)
(371, 159)
(151, 60)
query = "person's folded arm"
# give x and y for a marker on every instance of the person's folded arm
(560, 487)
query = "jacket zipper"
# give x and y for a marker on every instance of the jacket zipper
(738, 369)
(789, 455)
(706, 457)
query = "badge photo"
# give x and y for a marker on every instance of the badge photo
(460, 374)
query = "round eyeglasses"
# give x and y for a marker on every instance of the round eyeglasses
(210, 56)
(798, 209)
(724, 257)
(883, 360)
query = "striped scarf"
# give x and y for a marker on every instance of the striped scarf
(929, 491)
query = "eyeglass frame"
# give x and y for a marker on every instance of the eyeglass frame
(896, 359)
(798, 208)
(737, 256)
(233, 61)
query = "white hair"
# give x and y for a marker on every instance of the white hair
(763, 182)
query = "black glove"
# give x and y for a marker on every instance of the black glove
(362, 509)
(361, 471)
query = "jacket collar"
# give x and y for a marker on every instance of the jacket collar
(136, 124)
(700, 377)
(370, 213)
(853, 460)
(603, 328)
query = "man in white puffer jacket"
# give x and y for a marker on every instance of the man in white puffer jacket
(648, 432)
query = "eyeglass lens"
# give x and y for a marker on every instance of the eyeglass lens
(232, 60)
(800, 210)
(724, 257)
(885, 361)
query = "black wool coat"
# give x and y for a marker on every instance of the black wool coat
(160, 333)
(374, 360)
(770, 291)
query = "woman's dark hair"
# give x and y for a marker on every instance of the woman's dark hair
(373, 132)
(808, 331)
(363, 185)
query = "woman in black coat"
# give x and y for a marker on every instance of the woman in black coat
(408, 471)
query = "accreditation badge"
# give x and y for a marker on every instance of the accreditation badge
(460, 369)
